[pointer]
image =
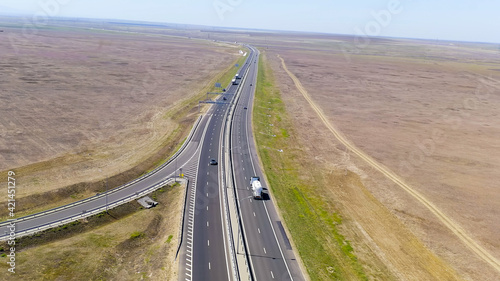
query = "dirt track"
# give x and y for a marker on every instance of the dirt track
(455, 228)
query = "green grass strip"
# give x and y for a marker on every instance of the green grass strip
(312, 222)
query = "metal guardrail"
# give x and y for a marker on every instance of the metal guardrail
(188, 139)
(183, 218)
(228, 127)
(88, 213)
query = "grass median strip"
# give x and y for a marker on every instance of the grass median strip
(313, 224)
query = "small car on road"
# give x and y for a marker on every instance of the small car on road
(213, 162)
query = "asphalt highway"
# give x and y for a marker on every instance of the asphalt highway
(38, 221)
(205, 253)
(271, 255)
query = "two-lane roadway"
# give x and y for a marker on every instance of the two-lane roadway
(271, 255)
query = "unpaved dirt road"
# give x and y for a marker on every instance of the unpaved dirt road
(454, 227)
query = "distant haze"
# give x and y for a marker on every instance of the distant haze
(460, 20)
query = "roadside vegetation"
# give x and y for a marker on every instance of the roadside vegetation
(129, 243)
(315, 226)
(184, 114)
(225, 77)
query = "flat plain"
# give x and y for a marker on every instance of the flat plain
(425, 110)
(82, 104)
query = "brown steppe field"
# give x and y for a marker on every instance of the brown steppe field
(404, 133)
(425, 111)
(80, 105)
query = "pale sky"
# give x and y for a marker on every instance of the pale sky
(461, 20)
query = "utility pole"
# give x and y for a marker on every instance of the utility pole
(107, 195)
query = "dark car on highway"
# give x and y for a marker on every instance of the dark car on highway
(213, 162)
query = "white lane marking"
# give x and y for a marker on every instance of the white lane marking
(207, 194)
(265, 252)
(258, 229)
(272, 275)
(191, 219)
(254, 214)
(207, 208)
(267, 212)
(208, 224)
(208, 243)
(209, 267)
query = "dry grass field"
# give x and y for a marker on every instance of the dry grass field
(131, 244)
(80, 105)
(428, 112)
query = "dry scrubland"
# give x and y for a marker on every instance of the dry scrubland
(426, 110)
(131, 244)
(79, 105)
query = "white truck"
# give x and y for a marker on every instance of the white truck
(256, 187)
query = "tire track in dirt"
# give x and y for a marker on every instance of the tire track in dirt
(450, 224)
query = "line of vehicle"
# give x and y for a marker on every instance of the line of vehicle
(242, 226)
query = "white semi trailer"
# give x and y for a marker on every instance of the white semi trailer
(256, 187)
